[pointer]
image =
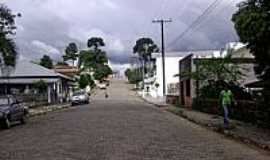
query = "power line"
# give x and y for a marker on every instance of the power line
(221, 11)
(197, 21)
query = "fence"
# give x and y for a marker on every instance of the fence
(33, 100)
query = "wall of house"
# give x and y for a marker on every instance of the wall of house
(171, 69)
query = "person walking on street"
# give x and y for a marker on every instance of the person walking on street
(106, 93)
(226, 99)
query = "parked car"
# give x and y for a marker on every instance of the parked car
(11, 110)
(80, 98)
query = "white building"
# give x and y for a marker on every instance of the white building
(154, 84)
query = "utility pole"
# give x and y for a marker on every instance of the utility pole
(162, 22)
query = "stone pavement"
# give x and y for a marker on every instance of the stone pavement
(122, 127)
(244, 132)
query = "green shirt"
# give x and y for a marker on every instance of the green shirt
(226, 97)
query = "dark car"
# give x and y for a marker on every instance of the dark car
(11, 111)
(79, 98)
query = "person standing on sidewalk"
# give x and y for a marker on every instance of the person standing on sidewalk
(226, 99)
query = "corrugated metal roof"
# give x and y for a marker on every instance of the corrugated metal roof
(28, 69)
(28, 80)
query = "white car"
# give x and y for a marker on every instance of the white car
(102, 86)
(79, 98)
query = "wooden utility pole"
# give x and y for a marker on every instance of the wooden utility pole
(162, 22)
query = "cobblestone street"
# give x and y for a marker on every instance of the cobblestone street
(122, 127)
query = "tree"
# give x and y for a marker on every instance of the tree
(86, 80)
(218, 69)
(252, 21)
(8, 49)
(46, 62)
(71, 53)
(212, 74)
(133, 75)
(95, 42)
(144, 47)
(103, 71)
(92, 58)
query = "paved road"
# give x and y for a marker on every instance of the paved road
(121, 127)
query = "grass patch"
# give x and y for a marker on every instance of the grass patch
(175, 110)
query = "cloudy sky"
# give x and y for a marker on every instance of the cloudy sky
(47, 26)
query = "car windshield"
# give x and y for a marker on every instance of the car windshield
(78, 93)
(4, 101)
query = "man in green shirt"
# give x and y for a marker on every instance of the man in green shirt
(226, 100)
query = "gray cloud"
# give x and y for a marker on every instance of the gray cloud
(55, 23)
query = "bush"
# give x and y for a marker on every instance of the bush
(213, 89)
(246, 110)
(40, 86)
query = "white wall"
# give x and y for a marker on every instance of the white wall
(171, 68)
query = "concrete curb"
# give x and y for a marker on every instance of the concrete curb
(44, 110)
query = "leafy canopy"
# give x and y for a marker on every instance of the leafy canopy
(46, 62)
(71, 53)
(95, 42)
(134, 75)
(218, 69)
(103, 71)
(8, 51)
(144, 47)
(252, 21)
(85, 80)
(92, 58)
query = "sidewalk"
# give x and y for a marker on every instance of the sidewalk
(240, 131)
(45, 109)
(160, 102)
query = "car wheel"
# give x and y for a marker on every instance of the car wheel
(23, 120)
(7, 123)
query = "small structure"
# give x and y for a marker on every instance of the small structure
(189, 87)
(21, 82)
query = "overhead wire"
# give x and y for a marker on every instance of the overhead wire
(197, 21)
